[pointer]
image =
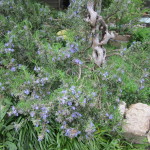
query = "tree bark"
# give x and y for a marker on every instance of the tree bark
(100, 33)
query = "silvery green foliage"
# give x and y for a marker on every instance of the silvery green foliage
(73, 109)
(62, 53)
(77, 112)
(124, 11)
(76, 8)
(36, 87)
(76, 14)
(32, 93)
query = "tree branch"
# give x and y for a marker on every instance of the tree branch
(98, 25)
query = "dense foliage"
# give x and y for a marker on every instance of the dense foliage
(52, 96)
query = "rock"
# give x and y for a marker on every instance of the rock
(125, 38)
(117, 43)
(136, 126)
(120, 40)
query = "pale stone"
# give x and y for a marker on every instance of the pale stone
(123, 37)
(136, 126)
(120, 40)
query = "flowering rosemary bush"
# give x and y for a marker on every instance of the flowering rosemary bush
(51, 94)
(77, 112)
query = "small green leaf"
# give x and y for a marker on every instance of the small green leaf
(10, 145)
(3, 111)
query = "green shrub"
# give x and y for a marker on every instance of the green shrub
(140, 34)
(124, 13)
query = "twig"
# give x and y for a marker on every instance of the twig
(67, 72)
(57, 19)
(133, 63)
(83, 50)
(79, 76)
(111, 14)
(116, 50)
(117, 9)
(113, 54)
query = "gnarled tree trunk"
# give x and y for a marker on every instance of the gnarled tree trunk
(100, 33)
